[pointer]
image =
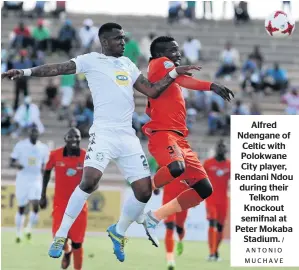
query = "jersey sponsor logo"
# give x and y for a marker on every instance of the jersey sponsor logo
(60, 164)
(168, 64)
(31, 161)
(122, 78)
(71, 172)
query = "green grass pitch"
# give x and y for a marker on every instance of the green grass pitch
(140, 255)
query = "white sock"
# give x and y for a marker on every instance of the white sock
(72, 211)
(141, 218)
(131, 211)
(19, 220)
(33, 218)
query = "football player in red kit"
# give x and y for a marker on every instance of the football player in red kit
(167, 134)
(68, 163)
(218, 170)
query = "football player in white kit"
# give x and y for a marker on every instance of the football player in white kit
(111, 78)
(29, 156)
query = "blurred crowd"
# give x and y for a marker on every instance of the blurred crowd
(67, 98)
(186, 11)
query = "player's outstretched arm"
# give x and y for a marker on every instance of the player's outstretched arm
(195, 84)
(48, 70)
(154, 90)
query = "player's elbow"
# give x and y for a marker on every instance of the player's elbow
(154, 94)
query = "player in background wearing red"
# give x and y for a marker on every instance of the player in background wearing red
(68, 163)
(167, 134)
(218, 170)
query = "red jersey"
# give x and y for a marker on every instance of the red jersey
(68, 174)
(219, 175)
(168, 111)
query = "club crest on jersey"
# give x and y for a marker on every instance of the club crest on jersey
(122, 78)
(117, 64)
(71, 172)
(168, 64)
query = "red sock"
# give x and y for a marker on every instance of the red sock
(78, 258)
(169, 241)
(189, 198)
(162, 177)
(212, 240)
(219, 239)
(180, 219)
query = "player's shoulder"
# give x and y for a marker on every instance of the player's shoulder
(88, 56)
(57, 152)
(160, 65)
(44, 145)
(126, 61)
(209, 161)
(162, 62)
(23, 142)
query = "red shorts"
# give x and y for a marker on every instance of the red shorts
(217, 210)
(167, 147)
(78, 229)
(170, 192)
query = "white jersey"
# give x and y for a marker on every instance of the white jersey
(32, 157)
(111, 81)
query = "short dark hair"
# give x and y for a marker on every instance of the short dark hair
(108, 27)
(155, 48)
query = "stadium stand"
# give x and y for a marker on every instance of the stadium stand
(212, 34)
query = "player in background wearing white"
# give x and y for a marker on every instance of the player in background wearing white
(29, 156)
(111, 78)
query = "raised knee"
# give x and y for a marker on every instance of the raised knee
(213, 223)
(90, 180)
(176, 168)
(88, 185)
(203, 188)
(144, 195)
(142, 189)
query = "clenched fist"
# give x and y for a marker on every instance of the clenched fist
(13, 74)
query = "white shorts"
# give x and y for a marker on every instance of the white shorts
(27, 190)
(120, 145)
(67, 93)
